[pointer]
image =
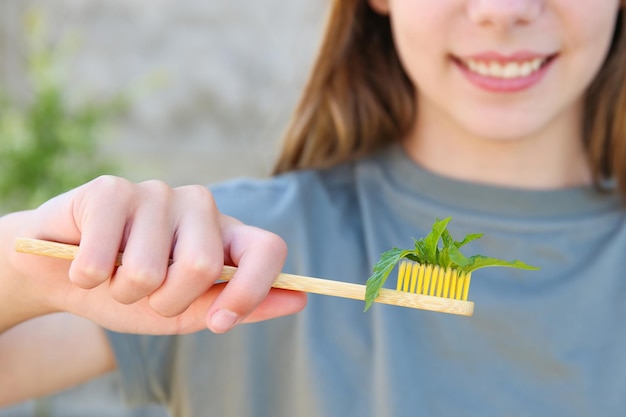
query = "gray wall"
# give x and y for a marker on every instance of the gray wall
(230, 73)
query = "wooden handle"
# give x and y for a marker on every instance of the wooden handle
(287, 282)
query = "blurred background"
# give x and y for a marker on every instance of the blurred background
(193, 91)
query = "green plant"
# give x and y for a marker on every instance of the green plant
(50, 144)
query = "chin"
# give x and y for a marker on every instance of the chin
(501, 129)
(503, 135)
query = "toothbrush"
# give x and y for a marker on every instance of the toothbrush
(419, 286)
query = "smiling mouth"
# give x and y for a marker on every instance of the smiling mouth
(504, 69)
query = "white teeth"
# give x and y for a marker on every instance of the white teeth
(509, 70)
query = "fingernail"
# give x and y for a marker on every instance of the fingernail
(223, 320)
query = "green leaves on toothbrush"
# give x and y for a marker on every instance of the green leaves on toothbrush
(436, 248)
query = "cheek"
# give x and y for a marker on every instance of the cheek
(590, 33)
(420, 39)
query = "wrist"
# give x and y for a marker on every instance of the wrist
(21, 298)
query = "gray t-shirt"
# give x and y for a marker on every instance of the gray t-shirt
(541, 343)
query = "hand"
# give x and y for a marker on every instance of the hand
(151, 223)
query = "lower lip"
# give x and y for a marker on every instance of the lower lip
(505, 85)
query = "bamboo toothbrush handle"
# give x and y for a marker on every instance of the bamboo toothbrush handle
(286, 281)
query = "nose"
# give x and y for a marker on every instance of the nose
(503, 14)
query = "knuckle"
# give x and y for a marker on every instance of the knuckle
(199, 195)
(158, 192)
(157, 188)
(200, 266)
(138, 279)
(273, 244)
(111, 183)
(88, 276)
(110, 187)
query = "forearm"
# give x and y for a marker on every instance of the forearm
(50, 353)
(41, 353)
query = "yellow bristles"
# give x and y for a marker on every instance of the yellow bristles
(433, 280)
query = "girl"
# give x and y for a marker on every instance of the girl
(505, 115)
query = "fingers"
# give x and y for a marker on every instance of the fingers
(197, 254)
(198, 258)
(148, 245)
(259, 256)
(101, 225)
(153, 223)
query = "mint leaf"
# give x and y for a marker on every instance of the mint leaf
(480, 261)
(467, 239)
(457, 259)
(381, 271)
(450, 255)
(429, 246)
(428, 251)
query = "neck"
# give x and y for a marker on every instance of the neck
(553, 158)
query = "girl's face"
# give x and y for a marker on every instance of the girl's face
(501, 69)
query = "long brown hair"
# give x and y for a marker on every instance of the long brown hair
(605, 114)
(358, 98)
